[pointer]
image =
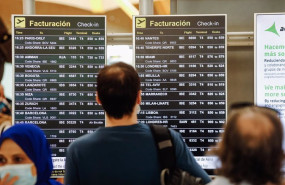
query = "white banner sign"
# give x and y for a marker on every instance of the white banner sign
(270, 61)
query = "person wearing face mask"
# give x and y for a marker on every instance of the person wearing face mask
(25, 157)
(124, 152)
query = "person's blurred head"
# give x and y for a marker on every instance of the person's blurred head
(118, 87)
(2, 91)
(25, 144)
(5, 106)
(251, 146)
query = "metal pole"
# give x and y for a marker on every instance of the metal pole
(146, 7)
(29, 7)
(173, 7)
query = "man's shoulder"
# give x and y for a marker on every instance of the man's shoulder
(174, 134)
(82, 141)
(107, 134)
(177, 139)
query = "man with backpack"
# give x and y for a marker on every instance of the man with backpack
(124, 152)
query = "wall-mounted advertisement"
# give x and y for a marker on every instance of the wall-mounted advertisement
(270, 61)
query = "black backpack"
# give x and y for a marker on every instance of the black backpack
(170, 174)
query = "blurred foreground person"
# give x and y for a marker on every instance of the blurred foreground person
(124, 152)
(5, 112)
(25, 157)
(251, 148)
(5, 122)
(5, 104)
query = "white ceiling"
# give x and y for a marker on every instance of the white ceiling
(87, 4)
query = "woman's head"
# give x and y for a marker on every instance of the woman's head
(26, 144)
(15, 165)
(251, 147)
(11, 153)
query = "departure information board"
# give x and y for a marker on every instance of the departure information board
(56, 62)
(181, 61)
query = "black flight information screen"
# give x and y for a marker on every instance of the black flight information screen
(181, 61)
(56, 62)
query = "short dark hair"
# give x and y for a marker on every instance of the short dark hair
(118, 86)
(252, 155)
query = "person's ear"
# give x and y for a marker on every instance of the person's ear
(97, 98)
(139, 97)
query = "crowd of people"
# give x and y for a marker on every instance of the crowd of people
(124, 151)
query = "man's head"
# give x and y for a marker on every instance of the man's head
(118, 87)
(251, 147)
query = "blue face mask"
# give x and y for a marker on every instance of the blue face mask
(23, 171)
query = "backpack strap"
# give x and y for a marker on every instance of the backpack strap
(164, 144)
